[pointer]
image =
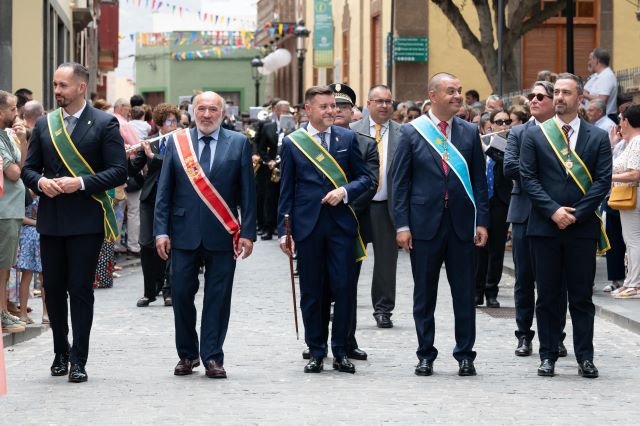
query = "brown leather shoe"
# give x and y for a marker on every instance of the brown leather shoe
(186, 366)
(215, 370)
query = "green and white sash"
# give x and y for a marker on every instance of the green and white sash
(78, 166)
(575, 167)
(329, 167)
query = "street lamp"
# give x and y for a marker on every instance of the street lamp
(301, 32)
(255, 64)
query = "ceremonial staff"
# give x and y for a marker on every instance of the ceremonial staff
(287, 226)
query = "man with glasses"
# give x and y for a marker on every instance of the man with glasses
(541, 106)
(154, 269)
(386, 133)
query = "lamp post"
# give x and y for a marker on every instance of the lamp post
(255, 64)
(301, 32)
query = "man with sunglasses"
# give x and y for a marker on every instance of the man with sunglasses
(386, 132)
(541, 106)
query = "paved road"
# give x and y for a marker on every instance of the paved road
(132, 358)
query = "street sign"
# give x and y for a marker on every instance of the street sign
(410, 49)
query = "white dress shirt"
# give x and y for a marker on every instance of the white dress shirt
(573, 133)
(212, 145)
(315, 133)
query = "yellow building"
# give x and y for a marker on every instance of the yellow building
(361, 28)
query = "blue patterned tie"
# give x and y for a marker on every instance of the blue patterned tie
(163, 146)
(323, 140)
(205, 156)
(490, 177)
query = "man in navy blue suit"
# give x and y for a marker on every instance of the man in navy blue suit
(541, 105)
(72, 217)
(565, 164)
(324, 227)
(206, 175)
(441, 209)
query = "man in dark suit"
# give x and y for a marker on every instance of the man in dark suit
(386, 133)
(541, 105)
(271, 133)
(71, 220)
(324, 229)
(565, 165)
(154, 268)
(206, 175)
(439, 214)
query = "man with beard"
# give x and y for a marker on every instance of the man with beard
(75, 155)
(206, 176)
(565, 164)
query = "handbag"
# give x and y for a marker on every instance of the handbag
(623, 197)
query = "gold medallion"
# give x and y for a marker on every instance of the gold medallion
(569, 164)
(445, 156)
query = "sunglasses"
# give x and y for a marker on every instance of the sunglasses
(506, 122)
(538, 96)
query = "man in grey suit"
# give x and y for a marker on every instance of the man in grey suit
(383, 236)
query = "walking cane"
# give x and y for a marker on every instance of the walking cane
(287, 226)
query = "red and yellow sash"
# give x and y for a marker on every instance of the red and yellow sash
(203, 186)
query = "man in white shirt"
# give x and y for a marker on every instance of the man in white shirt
(603, 83)
(597, 117)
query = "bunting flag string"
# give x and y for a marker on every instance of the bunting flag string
(242, 38)
(217, 51)
(276, 29)
(161, 6)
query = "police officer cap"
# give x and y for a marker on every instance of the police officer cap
(343, 93)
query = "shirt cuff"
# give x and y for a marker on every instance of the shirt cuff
(403, 229)
(39, 180)
(346, 195)
(81, 183)
(283, 239)
(161, 236)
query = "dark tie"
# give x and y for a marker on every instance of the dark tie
(163, 146)
(70, 123)
(566, 129)
(205, 156)
(323, 140)
(443, 128)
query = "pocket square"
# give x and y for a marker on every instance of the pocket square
(341, 150)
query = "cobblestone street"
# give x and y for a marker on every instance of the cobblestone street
(132, 358)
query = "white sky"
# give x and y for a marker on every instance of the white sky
(135, 19)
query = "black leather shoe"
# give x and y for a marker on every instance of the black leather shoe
(168, 301)
(342, 364)
(524, 347)
(266, 236)
(479, 300)
(587, 369)
(492, 302)
(358, 354)
(424, 368)
(315, 365)
(77, 374)
(143, 302)
(60, 366)
(466, 368)
(562, 350)
(383, 321)
(547, 368)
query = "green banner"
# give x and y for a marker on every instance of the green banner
(322, 34)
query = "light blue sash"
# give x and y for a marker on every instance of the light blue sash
(456, 161)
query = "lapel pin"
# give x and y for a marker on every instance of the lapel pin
(89, 122)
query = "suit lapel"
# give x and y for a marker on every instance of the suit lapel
(85, 122)
(583, 138)
(222, 146)
(334, 140)
(392, 142)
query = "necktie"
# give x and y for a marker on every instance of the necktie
(323, 140)
(163, 146)
(443, 128)
(490, 177)
(70, 123)
(205, 155)
(567, 129)
(380, 146)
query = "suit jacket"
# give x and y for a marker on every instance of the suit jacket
(154, 166)
(419, 184)
(520, 205)
(360, 205)
(97, 138)
(549, 186)
(363, 126)
(302, 185)
(267, 141)
(181, 214)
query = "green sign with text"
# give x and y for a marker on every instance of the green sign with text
(410, 49)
